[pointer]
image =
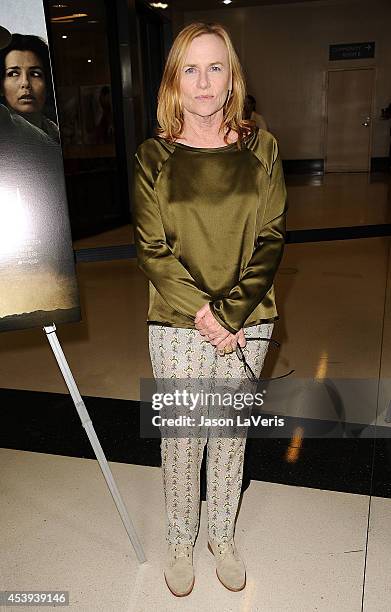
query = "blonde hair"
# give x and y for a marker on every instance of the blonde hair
(169, 109)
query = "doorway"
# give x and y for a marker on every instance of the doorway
(348, 117)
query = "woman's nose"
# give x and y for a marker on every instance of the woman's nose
(203, 80)
(25, 80)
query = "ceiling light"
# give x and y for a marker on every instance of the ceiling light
(64, 36)
(59, 6)
(89, 61)
(66, 17)
(227, 1)
(161, 5)
(92, 21)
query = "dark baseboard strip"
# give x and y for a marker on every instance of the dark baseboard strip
(303, 166)
(380, 164)
(109, 253)
(48, 423)
(317, 166)
(338, 233)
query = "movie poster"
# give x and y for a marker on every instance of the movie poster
(37, 276)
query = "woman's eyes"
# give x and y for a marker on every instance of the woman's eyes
(35, 73)
(192, 69)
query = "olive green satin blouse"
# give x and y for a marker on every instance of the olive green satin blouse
(210, 227)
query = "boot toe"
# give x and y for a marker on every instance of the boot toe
(179, 574)
(233, 578)
(230, 568)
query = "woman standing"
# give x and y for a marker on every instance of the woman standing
(25, 81)
(209, 217)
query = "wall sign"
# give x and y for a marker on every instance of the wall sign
(350, 51)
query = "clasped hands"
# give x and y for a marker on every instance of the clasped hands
(216, 334)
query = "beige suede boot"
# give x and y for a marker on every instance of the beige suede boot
(179, 572)
(230, 568)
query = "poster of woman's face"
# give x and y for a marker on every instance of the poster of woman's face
(37, 276)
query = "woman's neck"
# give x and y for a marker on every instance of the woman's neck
(204, 131)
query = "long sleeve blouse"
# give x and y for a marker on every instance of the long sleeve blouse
(209, 228)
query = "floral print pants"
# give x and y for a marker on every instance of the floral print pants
(178, 353)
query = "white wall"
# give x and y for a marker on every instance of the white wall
(284, 51)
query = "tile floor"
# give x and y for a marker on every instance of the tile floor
(305, 548)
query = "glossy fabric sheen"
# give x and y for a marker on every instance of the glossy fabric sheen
(210, 227)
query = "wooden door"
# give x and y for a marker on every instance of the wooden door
(349, 107)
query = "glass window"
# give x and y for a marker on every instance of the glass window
(88, 94)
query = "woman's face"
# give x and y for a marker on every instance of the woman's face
(205, 77)
(24, 86)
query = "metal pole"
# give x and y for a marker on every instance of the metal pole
(90, 431)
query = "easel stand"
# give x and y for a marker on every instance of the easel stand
(90, 431)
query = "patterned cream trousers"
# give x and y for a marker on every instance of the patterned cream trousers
(178, 353)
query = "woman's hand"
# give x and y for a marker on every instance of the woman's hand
(215, 333)
(231, 342)
(209, 327)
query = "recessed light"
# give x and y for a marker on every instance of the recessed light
(89, 61)
(64, 36)
(227, 1)
(161, 5)
(59, 6)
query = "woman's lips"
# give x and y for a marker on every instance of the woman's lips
(204, 97)
(26, 99)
